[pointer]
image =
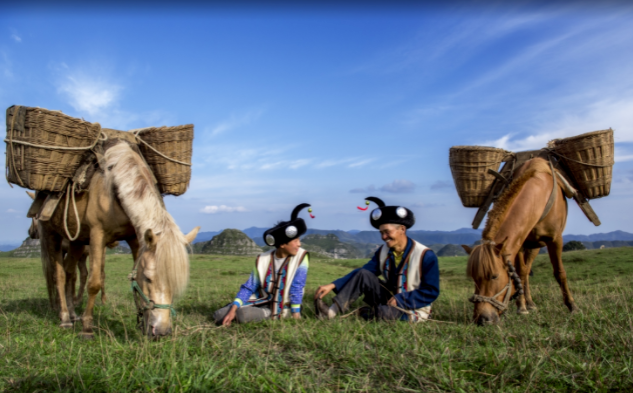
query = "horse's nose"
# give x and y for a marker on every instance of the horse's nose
(157, 332)
(487, 319)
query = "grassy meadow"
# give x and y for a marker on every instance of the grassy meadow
(548, 350)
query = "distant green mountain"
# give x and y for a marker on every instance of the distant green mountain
(329, 245)
(231, 242)
(451, 250)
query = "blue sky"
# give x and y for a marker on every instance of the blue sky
(329, 105)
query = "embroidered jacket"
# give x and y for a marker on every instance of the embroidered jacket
(282, 290)
(415, 281)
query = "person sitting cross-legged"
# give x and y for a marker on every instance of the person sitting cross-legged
(410, 271)
(275, 287)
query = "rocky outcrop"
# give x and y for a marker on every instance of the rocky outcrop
(229, 242)
(30, 248)
(331, 247)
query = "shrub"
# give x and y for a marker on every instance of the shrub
(574, 245)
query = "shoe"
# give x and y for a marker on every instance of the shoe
(321, 309)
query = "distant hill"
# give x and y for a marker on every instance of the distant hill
(330, 246)
(231, 242)
(9, 246)
(615, 235)
(451, 250)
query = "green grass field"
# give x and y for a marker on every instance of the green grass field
(548, 350)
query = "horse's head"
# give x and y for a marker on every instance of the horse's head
(162, 273)
(491, 273)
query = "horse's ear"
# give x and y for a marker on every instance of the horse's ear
(31, 194)
(499, 246)
(191, 236)
(150, 239)
(467, 249)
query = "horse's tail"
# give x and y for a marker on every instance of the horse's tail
(49, 269)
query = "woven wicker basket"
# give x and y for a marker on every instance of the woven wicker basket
(469, 166)
(168, 152)
(590, 159)
(36, 139)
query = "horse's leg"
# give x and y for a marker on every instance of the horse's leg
(73, 255)
(83, 275)
(54, 251)
(103, 276)
(134, 246)
(555, 250)
(519, 264)
(97, 254)
(530, 256)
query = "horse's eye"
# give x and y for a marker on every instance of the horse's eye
(495, 276)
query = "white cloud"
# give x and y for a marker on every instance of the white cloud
(360, 163)
(12, 211)
(212, 209)
(90, 94)
(236, 120)
(399, 187)
(16, 37)
(599, 115)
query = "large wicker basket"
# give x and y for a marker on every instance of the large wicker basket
(168, 152)
(590, 159)
(44, 147)
(469, 167)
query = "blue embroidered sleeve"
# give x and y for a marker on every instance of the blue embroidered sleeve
(373, 266)
(298, 283)
(247, 289)
(429, 288)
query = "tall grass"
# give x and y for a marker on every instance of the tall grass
(548, 350)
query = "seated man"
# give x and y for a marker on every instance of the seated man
(410, 270)
(275, 288)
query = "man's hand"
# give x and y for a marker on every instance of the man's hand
(392, 302)
(323, 290)
(296, 315)
(230, 316)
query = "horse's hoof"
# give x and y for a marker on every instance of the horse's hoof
(574, 309)
(66, 325)
(87, 336)
(531, 307)
(522, 311)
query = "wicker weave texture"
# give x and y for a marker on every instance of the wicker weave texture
(46, 169)
(469, 167)
(173, 142)
(590, 159)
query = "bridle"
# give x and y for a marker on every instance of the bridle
(513, 277)
(144, 303)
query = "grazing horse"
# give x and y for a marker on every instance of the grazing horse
(122, 204)
(525, 218)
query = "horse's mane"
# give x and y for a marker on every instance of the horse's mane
(499, 211)
(129, 176)
(480, 261)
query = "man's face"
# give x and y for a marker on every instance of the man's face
(292, 247)
(392, 234)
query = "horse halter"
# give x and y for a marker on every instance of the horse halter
(502, 307)
(146, 304)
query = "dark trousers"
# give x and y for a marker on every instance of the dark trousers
(243, 314)
(376, 293)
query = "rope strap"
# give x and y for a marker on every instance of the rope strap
(151, 305)
(576, 161)
(70, 192)
(136, 132)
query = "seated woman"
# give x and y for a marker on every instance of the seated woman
(275, 288)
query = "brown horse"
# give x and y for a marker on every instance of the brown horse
(517, 226)
(122, 204)
(69, 267)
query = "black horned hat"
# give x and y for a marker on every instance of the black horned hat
(285, 231)
(389, 214)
